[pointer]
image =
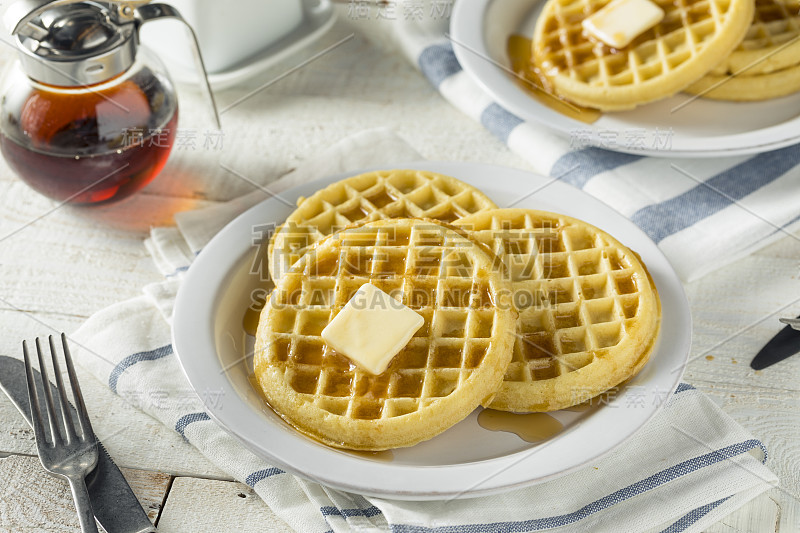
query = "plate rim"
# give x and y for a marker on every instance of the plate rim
(406, 479)
(468, 42)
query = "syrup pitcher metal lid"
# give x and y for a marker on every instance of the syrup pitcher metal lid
(77, 43)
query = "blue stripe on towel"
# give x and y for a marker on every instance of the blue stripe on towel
(346, 513)
(185, 420)
(131, 360)
(682, 387)
(177, 271)
(703, 200)
(649, 483)
(258, 475)
(438, 62)
(499, 121)
(579, 166)
(693, 516)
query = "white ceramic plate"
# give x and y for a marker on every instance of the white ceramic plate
(466, 460)
(701, 128)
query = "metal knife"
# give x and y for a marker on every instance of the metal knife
(115, 505)
(785, 344)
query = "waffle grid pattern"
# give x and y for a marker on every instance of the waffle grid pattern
(686, 26)
(368, 197)
(575, 294)
(772, 42)
(433, 270)
(588, 313)
(689, 41)
(775, 22)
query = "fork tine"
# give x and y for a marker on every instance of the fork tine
(48, 396)
(80, 407)
(33, 397)
(69, 424)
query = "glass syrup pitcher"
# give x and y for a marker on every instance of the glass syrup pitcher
(87, 116)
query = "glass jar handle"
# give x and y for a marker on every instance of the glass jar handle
(147, 12)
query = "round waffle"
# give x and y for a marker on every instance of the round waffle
(772, 43)
(692, 38)
(588, 311)
(367, 197)
(748, 88)
(451, 365)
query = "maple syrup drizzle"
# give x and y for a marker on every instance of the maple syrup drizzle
(534, 82)
(257, 387)
(384, 456)
(530, 427)
(581, 407)
(251, 317)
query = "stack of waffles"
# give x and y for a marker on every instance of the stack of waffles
(522, 310)
(741, 50)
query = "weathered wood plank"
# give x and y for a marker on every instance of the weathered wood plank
(133, 438)
(735, 312)
(33, 501)
(206, 505)
(771, 512)
(150, 487)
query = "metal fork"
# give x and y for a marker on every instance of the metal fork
(67, 454)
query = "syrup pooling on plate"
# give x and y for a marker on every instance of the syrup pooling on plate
(384, 456)
(535, 83)
(251, 316)
(530, 427)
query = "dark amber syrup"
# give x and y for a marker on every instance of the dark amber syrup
(91, 146)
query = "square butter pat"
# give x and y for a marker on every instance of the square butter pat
(372, 328)
(621, 21)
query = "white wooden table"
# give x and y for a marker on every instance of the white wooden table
(58, 266)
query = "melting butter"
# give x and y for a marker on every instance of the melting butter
(372, 328)
(619, 22)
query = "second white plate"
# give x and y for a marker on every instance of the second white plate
(464, 461)
(674, 127)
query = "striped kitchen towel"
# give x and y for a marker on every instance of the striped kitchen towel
(703, 213)
(687, 468)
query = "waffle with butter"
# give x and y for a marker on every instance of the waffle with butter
(455, 361)
(589, 313)
(371, 196)
(693, 37)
